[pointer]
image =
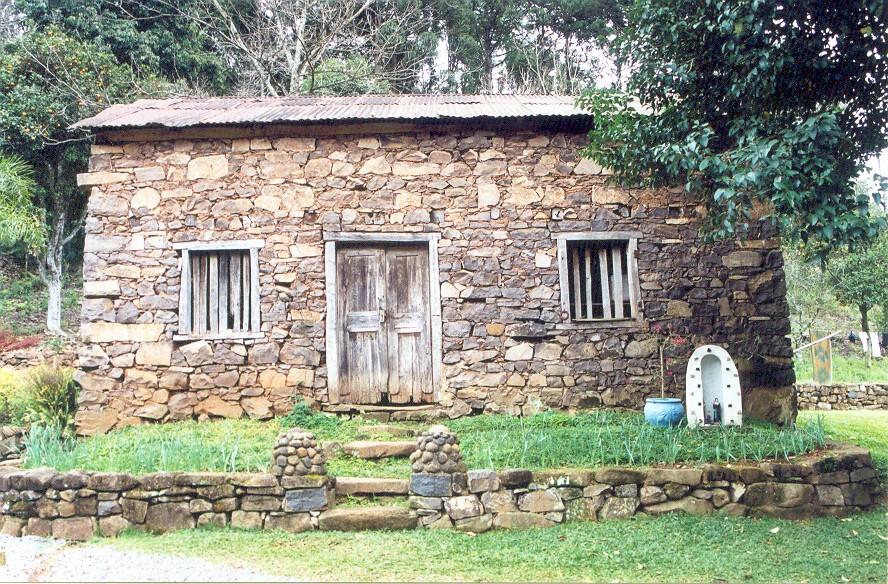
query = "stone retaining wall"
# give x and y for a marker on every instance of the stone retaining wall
(842, 396)
(77, 505)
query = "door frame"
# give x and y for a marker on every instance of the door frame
(331, 239)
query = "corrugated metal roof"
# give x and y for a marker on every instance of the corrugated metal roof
(229, 111)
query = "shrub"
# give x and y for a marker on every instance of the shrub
(51, 397)
(13, 399)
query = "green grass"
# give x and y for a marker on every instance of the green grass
(548, 440)
(846, 369)
(673, 548)
(23, 303)
(867, 428)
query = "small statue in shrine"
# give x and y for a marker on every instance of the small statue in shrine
(716, 412)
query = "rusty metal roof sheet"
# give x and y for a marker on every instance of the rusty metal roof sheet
(229, 111)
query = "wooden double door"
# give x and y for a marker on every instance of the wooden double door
(384, 324)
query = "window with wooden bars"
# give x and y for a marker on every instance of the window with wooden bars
(219, 296)
(599, 279)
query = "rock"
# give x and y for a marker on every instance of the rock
(618, 508)
(134, 510)
(73, 528)
(88, 179)
(681, 476)
(483, 480)
(515, 477)
(159, 354)
(291, 522)
(830, 496)
(733, 510)
(197, 353)
(110, 332)
(431, 485)
(462, 507)
(212, 519)
(260, 503)
(519, 520)
(540, 501)
(152, 411)
(498, 502)
(564, 477)
(371, 486)
(36, 527)
(619, 476)
(112, 526)
(246, 520)
(216, 406)
(690, 505)
(371, 450)
(780, 494)
(208, 167)
(304, 500)
(652, 495)
(478, 524)
(520, 352)
(742, 259)
(164, 517)
(258, 408)
(264, 354)
(426, 503)
(366, 518)
(642, 349)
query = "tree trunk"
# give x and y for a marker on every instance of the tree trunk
(51, 272)
(864, 323)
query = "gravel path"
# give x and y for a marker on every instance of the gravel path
(35, 559)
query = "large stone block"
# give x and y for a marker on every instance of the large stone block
(366, 518)
(520, 520)
(110, 332)
(164, 517)
(215, 166)
(159, 354)
(74, 528)
(464, 506)
(304, 500)
(431, 485)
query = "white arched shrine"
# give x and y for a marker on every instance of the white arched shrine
(711, 376)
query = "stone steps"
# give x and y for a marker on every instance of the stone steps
(363, 518)
(354, 486)
(375, 450)
(384, 430)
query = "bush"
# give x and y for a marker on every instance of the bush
(13, 399)
(51, 397)
(302, 416)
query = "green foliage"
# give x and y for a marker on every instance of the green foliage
(51, 397)
(770, 104)
(20, 220)
(671, 548)
(13, 401)
(145, 35)
(845, 369)
(302, 416)
(547, 440)
(860, 276)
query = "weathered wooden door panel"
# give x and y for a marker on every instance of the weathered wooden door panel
(384, 330)
(408, 325)
(362, 344)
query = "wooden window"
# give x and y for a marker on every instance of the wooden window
(599, 278)
(219, 296)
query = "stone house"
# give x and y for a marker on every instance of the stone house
(411, 254)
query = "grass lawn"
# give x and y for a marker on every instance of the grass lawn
(846, 369)
(548, 440)
(672, 548)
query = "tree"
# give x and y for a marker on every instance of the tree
(279, 47)
(48, 81)
(860, 278)
(144, 34)
(750, 103)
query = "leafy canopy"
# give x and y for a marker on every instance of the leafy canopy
(861, 276)
(754, 103)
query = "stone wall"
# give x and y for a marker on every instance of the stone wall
(842, 396)
(496, 197)
(77, 505)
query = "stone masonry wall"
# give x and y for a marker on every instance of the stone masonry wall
(77, 505)
(842, 396)
(496, 197)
